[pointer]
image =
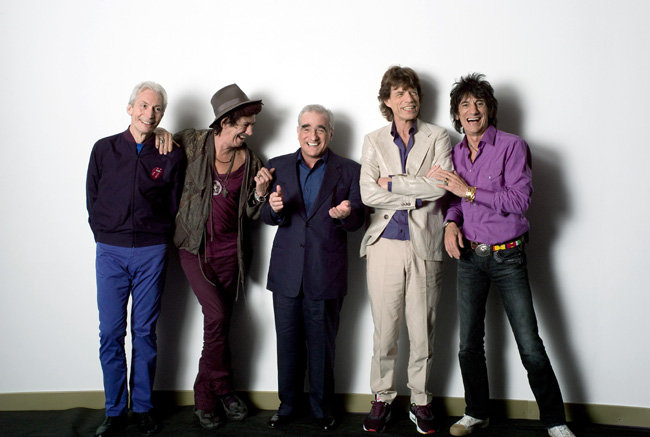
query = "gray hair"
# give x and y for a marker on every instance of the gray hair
(148, 85)
(319, 109)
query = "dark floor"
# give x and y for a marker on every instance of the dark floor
(180, 421)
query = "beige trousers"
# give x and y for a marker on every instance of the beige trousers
(401, 284)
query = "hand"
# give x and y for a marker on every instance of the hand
(341, 211)
(453, 240)
(263, 180)
(451, 181)
(383, 182)
(275, 200)
(164, 141)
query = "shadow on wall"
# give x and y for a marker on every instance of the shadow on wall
(546, 213)
(177, 308)
(178, 300)
(548, 209)
(173, 327)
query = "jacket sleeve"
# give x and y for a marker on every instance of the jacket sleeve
(267, 214)
(177, 184)
(92, 183)
(372, 194)
(357, 216)
(253, 207)
(422, 187)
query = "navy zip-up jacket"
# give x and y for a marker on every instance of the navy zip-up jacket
(132, 198)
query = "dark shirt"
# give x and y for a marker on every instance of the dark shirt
(311, 179)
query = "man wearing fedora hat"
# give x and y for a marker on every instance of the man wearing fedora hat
(225, 186)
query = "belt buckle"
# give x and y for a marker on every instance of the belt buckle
(483, 250)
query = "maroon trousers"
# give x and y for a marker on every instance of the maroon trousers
(214, 282)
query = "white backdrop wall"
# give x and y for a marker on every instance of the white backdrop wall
(571, 78)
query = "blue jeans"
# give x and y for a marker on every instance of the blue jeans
(507, 270)
(139, 273)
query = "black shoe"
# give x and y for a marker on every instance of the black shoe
(326, 423)
(277, 421)
(111, 426)
(146, 424)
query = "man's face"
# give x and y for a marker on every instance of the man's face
(237, 133)
(314, 135)
(473, 115)
(405, 103)
(146, 112)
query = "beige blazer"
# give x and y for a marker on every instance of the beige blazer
(380, 158)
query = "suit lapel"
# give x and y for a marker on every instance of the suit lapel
(293, 183)
(390, 152)
(420, 149)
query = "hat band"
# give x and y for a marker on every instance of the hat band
(227, 105)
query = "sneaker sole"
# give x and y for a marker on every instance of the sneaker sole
(414, 419)
(466, 431)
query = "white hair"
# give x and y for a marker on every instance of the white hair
(148, 85)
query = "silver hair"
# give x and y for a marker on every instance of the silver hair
(320, 109)
(148, 85)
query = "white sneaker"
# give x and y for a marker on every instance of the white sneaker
(468, 424)
(560, 431)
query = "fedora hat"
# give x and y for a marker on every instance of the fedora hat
(228, 98)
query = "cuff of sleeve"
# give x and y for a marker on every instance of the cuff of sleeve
(452, 217)
(484, 196)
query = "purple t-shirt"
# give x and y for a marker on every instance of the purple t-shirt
(502, 176)
(222, 227)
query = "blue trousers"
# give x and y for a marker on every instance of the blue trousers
(507, 270)
(139, 273)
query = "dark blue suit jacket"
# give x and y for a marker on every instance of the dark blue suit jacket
(311, 251)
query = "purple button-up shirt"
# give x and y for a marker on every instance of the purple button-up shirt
(502, 176)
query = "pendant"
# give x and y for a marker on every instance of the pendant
(216, 188)
(219, 188)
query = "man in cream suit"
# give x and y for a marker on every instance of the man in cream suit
(404, 243)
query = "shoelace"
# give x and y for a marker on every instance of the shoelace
(377, 409)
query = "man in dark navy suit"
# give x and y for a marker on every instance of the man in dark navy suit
(315, 203)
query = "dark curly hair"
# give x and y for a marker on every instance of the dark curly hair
(476, 85)
(395, 77)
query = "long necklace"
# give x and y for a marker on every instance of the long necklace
(220, 185)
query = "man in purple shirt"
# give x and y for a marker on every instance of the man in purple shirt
(485, 230)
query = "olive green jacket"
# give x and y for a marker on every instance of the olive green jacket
(196, 199)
